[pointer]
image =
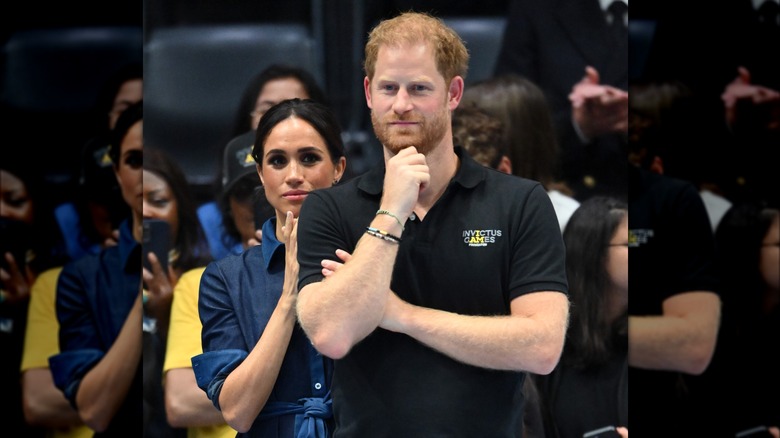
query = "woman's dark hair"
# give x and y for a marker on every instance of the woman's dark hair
(190, 241)
(592, 336)
(109, 90)
(319, 116)
(126, 120)
(738, 238)
(243, 122)
(529, 131)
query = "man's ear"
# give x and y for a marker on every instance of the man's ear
(455, 92)
(367, 90)
(505, 165)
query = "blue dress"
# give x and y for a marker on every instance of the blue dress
(238, 295)
(94, 296)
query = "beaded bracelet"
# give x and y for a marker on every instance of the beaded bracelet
(384, 235)
(378, 212)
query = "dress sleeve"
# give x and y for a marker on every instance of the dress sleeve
(223, 346)
(80, 346)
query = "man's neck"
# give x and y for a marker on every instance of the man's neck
(443, 164)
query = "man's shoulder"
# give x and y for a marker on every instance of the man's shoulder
(504, 183)
(348, 192)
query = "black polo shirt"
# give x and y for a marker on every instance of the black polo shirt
(490, 238)
(671, 250)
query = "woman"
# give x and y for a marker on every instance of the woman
(588, 389)
(748, 249)
(99, 307)
(28, 246)
(167, 197)
(275, 83)
(528, 133)
(272, 85)
(258, 367)
(89, 220)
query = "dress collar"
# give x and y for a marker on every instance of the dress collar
(270, 243)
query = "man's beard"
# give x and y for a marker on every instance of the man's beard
(425, 136)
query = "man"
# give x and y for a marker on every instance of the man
(674, 307)
(577, 53)
(455, 289)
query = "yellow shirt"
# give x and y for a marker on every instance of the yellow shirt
(184, 341)
(41, 337)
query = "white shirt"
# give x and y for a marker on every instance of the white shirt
(716, 206)
(564, 206)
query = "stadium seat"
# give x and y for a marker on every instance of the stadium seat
(194, 78)
(482, 36)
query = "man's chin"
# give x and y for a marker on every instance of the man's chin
(396, 147)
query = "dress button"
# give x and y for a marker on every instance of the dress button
(413, 217)
(318, 385)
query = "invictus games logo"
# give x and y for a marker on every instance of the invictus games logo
(244, 157)
(639, 237)
(480, 237)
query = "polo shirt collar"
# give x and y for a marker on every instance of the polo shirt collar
(469, 175)
(270, 243)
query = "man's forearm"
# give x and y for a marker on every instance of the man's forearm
(341, 310)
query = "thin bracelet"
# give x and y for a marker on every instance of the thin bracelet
(384, 235)
(378, 212)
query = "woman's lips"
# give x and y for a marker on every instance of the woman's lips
(295, 195)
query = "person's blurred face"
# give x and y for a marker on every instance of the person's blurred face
(409, 99)
(244, 218)
(15, 201)
(770, 255)
(129, 93)
(129, 171)
(295, 161)
(160, 201)
(273, 92)
(617, 265)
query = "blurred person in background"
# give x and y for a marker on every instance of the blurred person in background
(589, 388)
(99, 367)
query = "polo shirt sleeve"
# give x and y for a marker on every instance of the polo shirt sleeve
(184, 328)
(538, 255)
(80, 346)
(691, 244)
(320, 231)
(40, 339)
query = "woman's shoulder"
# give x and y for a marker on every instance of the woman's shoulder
(232, 263)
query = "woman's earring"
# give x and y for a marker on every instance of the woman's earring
(335, 181)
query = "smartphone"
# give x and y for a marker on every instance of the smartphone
(754, 432)
(14, 238)
(604, 432)
(157, 239)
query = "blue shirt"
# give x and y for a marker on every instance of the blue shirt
(238, 295)
(94, 296)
